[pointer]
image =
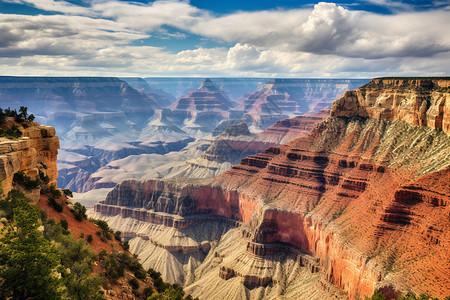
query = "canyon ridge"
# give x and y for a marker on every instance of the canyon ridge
(359, 204)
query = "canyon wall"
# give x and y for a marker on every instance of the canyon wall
(421, 102)
(365, 194)
(35, 152)
(204, 158)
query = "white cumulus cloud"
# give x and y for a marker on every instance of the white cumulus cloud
(324, 40)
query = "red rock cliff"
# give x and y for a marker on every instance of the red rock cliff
(366, 193)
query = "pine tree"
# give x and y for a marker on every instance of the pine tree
(27, 260)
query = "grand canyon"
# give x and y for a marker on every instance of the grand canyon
(337, 202)
(239, 150)
(358, 204)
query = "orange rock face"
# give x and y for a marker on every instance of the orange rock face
(35, 151)
(366, 193)
(423, 102)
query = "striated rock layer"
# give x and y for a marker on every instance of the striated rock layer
(366, 194)
(201, 109)
(286, 130)
(422, 102)
(35, 152)
(278, 97)
(207, 157)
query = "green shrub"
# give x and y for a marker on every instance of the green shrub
(90, 238)
(102, 224)
(55, 192)
(11, 202)
(26, 182)
(377, 295)
(173, 293)
(79, 211)
(56, 206)
(153, 273)
(19, 117)
(140, 274)
(27, 260)
(125, 246)
(68, 193)
(148, 291)
(157, 297)
(113, 269)
(44, 178)
(64, 224)
(13, 132)
(77, 263)
(106, 231)
(134, 283)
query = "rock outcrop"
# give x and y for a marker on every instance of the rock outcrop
(421, 102)
(365, 195)
(34, 152)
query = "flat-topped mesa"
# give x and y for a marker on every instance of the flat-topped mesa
(425, 83)
(46, 95)
(420, 102)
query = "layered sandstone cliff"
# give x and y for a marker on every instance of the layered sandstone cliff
(422, 102)
(35, 152)
(364, 199)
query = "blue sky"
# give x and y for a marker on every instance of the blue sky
(234, 38)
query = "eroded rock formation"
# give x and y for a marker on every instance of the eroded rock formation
(286, 130)
(422, 102)
(204, 158)
(281, 97)
(201, 109)
(363, 198)
(35, 152)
